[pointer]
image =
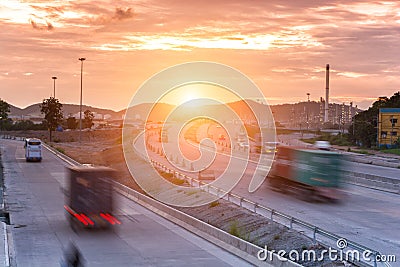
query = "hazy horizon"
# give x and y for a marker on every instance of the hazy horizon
(119, 110)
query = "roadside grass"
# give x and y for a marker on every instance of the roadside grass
(236, 230)
(395, 151)
(214, 204)
(338, 140)
(171, 178)
(61, 150)
(365, 152)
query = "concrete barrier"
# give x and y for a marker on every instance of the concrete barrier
(373, 181)
(4, 246)
(373, 161)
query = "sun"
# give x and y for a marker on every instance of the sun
(190, 95)
(197, 91)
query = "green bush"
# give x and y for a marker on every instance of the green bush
(59, 149)
(395, 151)
(214, 204)
(339, 140)
(237, 231)
(234, 229)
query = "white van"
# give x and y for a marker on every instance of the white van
(323, 145)
(33, 149)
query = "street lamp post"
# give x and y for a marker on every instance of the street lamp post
(80, 105)
(391, 133)
(54, 88)
(308, 107)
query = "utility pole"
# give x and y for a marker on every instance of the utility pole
(80, 105)
(391, 132)
(308, 107)
(54, 87)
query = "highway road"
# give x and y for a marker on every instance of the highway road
(40, 231)
(366, 216)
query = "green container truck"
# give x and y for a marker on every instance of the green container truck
(310, 173)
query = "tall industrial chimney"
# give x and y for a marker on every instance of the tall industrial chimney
(327, 95)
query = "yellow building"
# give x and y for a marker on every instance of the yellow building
(388, 127)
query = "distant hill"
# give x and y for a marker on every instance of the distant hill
(15, 111)
(34, 111)
(139, 111)
(157, 114)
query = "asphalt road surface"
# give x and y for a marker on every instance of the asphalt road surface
(40, 232)
(366, 216)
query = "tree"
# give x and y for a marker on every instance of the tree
(4, 110)
(25, 125)
(88, 119)
(364, 128)
(52, 110)
(72, 123)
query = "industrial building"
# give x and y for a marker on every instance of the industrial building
(388, 127)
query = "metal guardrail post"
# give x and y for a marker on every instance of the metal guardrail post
(315, 234)
(272, 215)
(291, 223)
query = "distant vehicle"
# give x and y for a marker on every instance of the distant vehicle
(206, 175)
(323, 145)
(241, 137)
(89, 197)
(243, 144)
(270, 147)
(164, 136)
(311, 173)
(33, 149)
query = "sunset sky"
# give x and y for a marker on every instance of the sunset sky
(283, 46)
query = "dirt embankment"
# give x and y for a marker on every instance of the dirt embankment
(97, 147)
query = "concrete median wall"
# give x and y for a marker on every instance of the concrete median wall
(374, 161)
(373, 181)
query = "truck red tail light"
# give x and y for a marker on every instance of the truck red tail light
(111, 219)
(87, 219)
(81, 217)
